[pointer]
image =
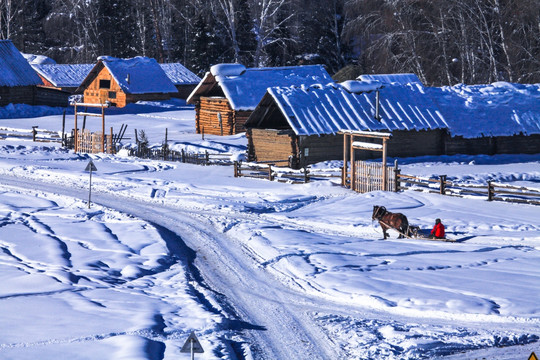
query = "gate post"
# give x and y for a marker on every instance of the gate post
(397, 172)
(384, 174)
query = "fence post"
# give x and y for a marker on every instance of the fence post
(397, 183)
(236, 169)
(206, 157)
(63, 128)
(442, 181)
(34, 133)
(183, 156)
(270, 177)
(490, 190)
(306, 177)
(397, 172)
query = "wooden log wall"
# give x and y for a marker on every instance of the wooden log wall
(320, 148)
(271, 145)
(16, 95)
(516, 144)
(207, 119)
(51, 96)
(240, 118)
(133, 98)
(184, 91)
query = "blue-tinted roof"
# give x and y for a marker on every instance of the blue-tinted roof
(138, 75)
(245, 87)
(64, 75)
(14, 69)
(179, 74)
(317, 110)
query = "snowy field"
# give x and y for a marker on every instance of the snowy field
(258, 269)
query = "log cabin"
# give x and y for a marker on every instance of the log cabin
(299, 125)
(228, 93)
(18, 81)
(124, 81)
(183, 79)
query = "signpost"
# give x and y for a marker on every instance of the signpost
(90, 167)
(192, 346)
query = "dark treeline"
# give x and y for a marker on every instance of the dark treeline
(443, 42)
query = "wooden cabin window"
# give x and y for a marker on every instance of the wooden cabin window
(112, 94)
(104, 84)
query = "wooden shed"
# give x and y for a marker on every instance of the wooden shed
(183, 79)
(18, 80)
(124, 81)
(299, 125)
(228, 93)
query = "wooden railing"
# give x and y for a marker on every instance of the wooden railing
(491, 191)
(283, 174)
(34, 134)
(183, 156)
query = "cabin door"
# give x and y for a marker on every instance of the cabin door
(103, 95)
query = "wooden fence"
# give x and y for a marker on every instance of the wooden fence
(34, 134)
(491, 191)
(283, 174)
(183, 156)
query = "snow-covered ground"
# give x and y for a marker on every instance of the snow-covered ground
(258, 269)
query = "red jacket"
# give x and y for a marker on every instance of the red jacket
(438, 230)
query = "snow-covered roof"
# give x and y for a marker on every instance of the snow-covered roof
(14, 69)
(317, 109)
(402, 79)
(38, 59)
(138, 75)
(179, 74)
(499, 109)
(64, 75)
(245, 87)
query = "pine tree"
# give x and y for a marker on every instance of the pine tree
(200, 48)
(244, 33)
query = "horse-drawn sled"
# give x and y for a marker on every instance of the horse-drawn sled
(399, 223)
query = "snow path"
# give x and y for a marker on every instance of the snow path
(268, 318)
(247, 298)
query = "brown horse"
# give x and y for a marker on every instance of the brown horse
(388, 220)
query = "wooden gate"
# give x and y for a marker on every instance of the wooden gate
(93, 142)
(366, 176)
(369, 176)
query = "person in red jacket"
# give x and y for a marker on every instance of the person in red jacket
(438, 230)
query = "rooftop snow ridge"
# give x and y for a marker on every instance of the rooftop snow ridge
(228, 69)
(357, 87)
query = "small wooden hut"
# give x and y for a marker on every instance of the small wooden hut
(299, 125)
(124, 81)
(183, 79)
(228, 94)
(18, 80)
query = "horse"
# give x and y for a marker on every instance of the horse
(389, 220)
